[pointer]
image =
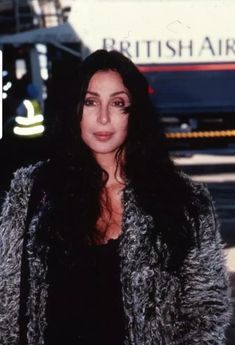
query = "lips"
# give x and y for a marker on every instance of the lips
(103, 136)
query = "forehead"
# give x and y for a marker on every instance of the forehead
(106, 79)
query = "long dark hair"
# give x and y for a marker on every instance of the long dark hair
(75, 179)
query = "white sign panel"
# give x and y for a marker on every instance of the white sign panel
(158, 31)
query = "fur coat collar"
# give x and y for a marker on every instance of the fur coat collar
(161, 307)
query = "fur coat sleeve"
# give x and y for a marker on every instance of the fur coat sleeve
(205, 309)
(12, 224)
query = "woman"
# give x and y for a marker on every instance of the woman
(106, 242)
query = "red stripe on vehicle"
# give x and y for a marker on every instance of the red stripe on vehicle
(179, 68)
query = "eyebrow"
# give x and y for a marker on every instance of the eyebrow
(112, 94)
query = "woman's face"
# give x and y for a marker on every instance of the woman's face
(104, 120)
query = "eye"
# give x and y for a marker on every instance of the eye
(89, 102)
(119, 103)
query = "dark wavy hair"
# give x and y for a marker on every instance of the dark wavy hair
(75, 179)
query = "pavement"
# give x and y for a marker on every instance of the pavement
(230, 255)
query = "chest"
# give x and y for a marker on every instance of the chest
(110, 220)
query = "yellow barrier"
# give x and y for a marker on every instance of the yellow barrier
(206, 134)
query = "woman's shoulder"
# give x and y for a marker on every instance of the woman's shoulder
(199, 191)
(202, 208)
(15, 203)
(21, 184)
(28, 170)
(24, 175)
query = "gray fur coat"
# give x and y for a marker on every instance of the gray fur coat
(161, 308)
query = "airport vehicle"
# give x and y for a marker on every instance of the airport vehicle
(186, 49)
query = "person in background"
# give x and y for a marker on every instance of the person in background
(107, 242)
(31, 95)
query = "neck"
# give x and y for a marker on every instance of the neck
(109, 164)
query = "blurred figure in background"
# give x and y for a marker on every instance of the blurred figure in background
(31, 95)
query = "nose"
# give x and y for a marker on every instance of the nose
(103, 115)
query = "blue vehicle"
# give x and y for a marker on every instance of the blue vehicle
(196, 101)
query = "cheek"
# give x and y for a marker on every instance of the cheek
(84, 130)
(122, 130)
(123, 126)
(84, 126)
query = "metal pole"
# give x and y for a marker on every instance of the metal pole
(17, 16)
(35, 73)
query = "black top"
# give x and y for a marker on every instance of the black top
(84, 302)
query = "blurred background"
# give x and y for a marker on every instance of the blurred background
(186, 50)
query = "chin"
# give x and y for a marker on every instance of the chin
(105, 151)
